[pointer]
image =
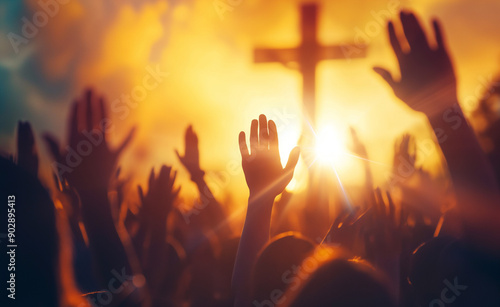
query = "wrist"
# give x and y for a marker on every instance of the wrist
(260, 197)
(197, 175)
(447, 120)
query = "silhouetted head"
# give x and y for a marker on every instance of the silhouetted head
(332, 279)
(276, 263)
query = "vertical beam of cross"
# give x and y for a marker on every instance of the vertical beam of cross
(308, 54)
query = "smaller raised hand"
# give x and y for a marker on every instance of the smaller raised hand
(405, 154)
(27, 155)
(88, 161)
(346, 228)
(262, 167)
(191, 159)
(357, 147)
(428, 83)
(151, 236)
(384, 234)
(158, 201)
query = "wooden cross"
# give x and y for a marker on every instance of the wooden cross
(308, 54)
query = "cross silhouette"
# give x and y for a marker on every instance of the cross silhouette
(308, 54)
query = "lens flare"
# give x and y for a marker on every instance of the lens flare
(329, 148)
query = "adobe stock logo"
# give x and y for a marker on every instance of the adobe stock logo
(449, 293)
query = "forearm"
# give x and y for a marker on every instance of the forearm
(103, 237)
(254, 237)
(210, 204)
(467, 164)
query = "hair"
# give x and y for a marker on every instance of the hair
(341, 282)
(279, 256)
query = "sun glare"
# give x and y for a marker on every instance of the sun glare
(330, 148)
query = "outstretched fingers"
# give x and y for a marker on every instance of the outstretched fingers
(88, 104)
(414, 33)
(273, 137)
(243, 146)
(151, 179)
(73, 125)
(103, 117)
(191, 139)
(263, 133)
(393, 38)
(181, 158)
(438, 34)
(254, 136)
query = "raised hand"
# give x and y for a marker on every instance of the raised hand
(191, 159)
(358, 148)
(87, 162)
(156, 205)
(346, 228)
(27, 156)
(384, 235)
(262, 167)
(428, 82)
(266, 178)
(405, 155)
(158, 201)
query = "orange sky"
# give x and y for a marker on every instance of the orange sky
(213, 83)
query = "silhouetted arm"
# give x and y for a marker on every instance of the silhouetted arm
(266, 179)
(428, 85)
(211, 209)
(90, 176)
(156, 205)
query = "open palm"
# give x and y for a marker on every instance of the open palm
(262, 167)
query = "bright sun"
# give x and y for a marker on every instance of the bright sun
(330, 148)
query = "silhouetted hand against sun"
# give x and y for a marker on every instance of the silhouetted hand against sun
(88, 150)
(266, 178)
(428, 82)
(191, 159)
(158, 201)
(262, 167)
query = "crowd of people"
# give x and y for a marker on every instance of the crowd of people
(81, 245)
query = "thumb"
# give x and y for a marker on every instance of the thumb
(292, 159)
(386, 75)
(178, 155)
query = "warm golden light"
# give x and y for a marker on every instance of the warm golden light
(330, 148)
